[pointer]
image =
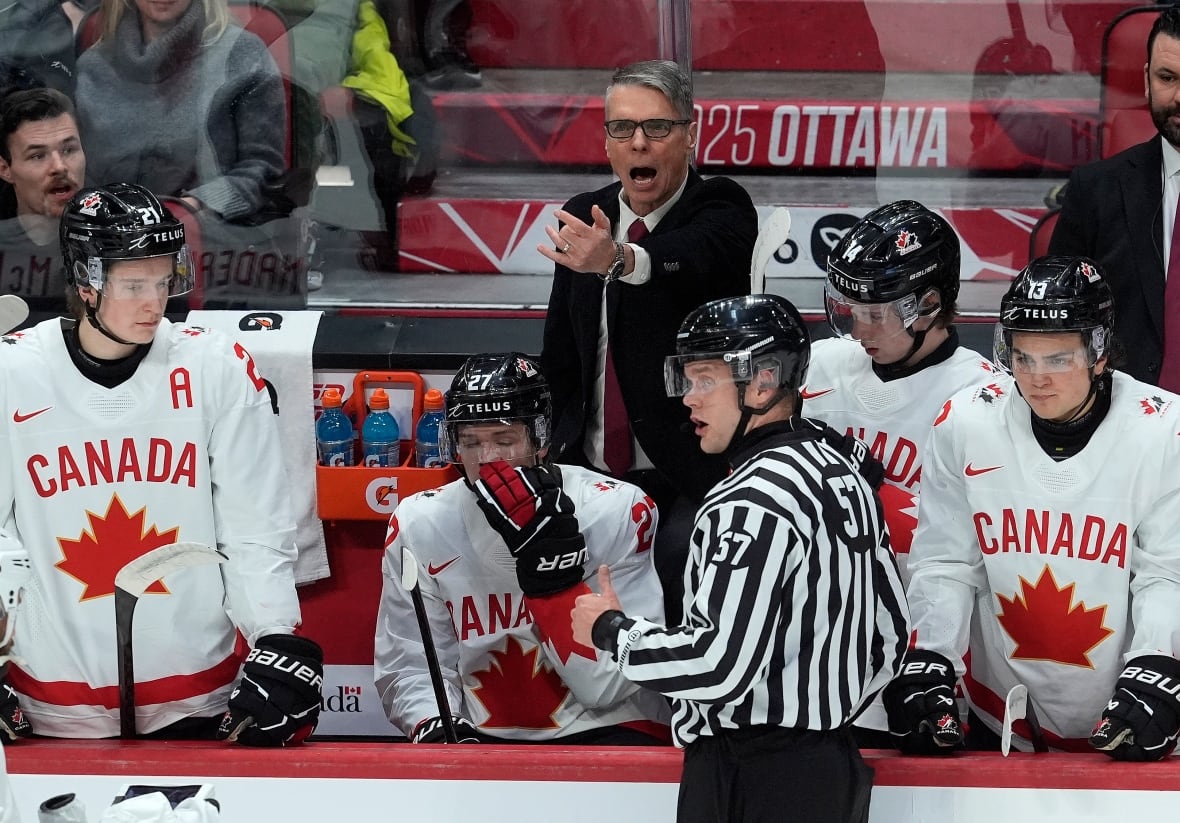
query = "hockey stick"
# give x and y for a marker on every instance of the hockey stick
(13, 312)
(774, 233)
(1017, 706)
(410, 584)
(130, 583)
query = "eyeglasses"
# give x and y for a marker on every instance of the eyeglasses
(654, 129)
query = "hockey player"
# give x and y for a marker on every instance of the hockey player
(498, 610)
(794, 613)
(1046, 542)
(890, 299)
(123, 433)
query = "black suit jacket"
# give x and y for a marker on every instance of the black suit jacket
(700, 251)
(1113, 214)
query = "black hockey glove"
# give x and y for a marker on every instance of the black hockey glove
(855, 452)
(13, 723)
(1142, 719)
(277, 701)
(920, 702)
(431, 730)
(528, 508)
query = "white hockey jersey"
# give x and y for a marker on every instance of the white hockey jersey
(1053, 574)
(185, 450)
(510, 663)
(892, 417)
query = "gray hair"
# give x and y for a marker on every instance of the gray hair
(664, 76)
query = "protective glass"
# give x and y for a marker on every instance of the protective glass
(1017, 362)
(655, 129)
(488, 441)
(870, 321)
(180, 281)
(678, 382)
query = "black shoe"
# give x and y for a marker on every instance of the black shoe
(451, 71)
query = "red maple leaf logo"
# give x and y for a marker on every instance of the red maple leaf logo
(111, 542)
(1046, 624)
(519, 689)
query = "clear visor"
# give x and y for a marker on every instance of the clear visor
(1016, 361)
(139, 283)
(473, 444)
(688, 373)
(853, 320)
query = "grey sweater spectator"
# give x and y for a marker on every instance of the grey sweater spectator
(191, 106)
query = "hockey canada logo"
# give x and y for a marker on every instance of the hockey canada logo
(526, 367)
(89, 204)
(1088, 271)
(1154, 405)
(347, 699)
(989, 394)
(907, 242)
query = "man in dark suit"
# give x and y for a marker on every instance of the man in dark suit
(631, 261)
(1121, 211)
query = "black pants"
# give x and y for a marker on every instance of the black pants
(677, 516)
(766, 773)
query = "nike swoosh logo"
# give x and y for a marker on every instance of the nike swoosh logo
(811, 395)
(17, 417)
(436, 570)
(971, 471)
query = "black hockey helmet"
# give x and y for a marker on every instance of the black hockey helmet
(120, 221)
(498, 388)
(750, 333)
(899, 249)
(1058, 293)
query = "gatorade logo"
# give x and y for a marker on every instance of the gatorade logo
(261, 321)
(381, 495)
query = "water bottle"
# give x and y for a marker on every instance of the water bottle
(379, 434)
(333, 432)
(426, 445)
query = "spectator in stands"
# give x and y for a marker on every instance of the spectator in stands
(1122, 212)
(631, 261)
(41, 159)
(499, 610)
(37, 36)
(890, 296)
(176, 432)
(1047, 546)
(202, 98)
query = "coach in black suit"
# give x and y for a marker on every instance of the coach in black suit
(700, 236)
(1116, 211)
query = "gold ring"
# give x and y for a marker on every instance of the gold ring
(565, 248)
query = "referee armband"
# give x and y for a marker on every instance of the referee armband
(605, 631)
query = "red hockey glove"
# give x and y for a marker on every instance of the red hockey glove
(13, 723)
(277, 701)
(527, 507)
(431, 730)
(1142, 719)
(920, 702)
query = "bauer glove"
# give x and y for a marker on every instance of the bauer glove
(1142, 719)
(527, 507)
(277, 701)
(920, 702)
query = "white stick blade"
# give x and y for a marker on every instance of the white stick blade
(409, 570)
(1015, 707)
(158, 563)
(13, 312)
(775, 231)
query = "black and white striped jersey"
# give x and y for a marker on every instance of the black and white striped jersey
(795, 615)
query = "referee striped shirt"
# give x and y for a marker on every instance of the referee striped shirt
(794, 612)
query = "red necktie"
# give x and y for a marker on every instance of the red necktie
(1170, 370)
(616, 426)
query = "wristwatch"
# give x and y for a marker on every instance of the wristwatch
(617, 266)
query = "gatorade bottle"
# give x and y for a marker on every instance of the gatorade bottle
(379, 434)
(426, 443)
(333, 432)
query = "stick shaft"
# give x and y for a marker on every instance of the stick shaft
(436, 678)
(125, 603)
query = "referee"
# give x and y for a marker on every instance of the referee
(794, 613)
